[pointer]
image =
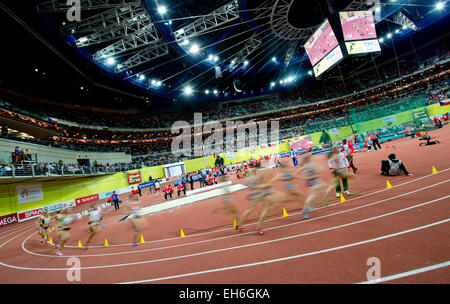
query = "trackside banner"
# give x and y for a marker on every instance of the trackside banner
(86, 199)
(25, 215)
(8, 219)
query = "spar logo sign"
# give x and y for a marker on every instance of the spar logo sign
(8, 219)
(25, 215)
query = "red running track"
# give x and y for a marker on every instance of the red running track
(406, 227)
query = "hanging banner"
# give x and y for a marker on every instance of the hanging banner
(29, 193)
(389, 119)
(304, 142)
(334, 132)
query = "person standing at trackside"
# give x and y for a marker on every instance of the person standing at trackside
(375, 140)
(139, 190)
(115, 200)
(348, 150)
(191, 181)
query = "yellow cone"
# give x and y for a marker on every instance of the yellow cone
(284, 213)
(50, 241)
(182, 234)
(53, 228)
(388, 185)
(79, 244)
(434, 170)
(106, 243)
(342, 199)
(142, 239)
(234, 225)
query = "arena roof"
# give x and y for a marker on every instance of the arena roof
(137, 48)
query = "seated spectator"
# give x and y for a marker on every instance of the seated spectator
(393, 167)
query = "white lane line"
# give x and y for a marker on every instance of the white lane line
(407, 273)
(13, 227)
(15, 231)
(234, 235)
(289, 257)
(228, 248)
(273, 219)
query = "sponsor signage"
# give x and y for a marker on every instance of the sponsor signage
(145, 185)
(29, 193)
(8, 219)
(134, 178)
(86, 199)
(25, 215)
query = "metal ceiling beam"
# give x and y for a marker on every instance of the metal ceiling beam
(125, 28)
(250, 46)
(281, 26)
(290, 51)
(218, 17)
(146, 55)
(55, 6)
(359, 5)
(402, 20)
(146, 36)
(104, 20)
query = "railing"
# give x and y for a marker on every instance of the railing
(36, 170)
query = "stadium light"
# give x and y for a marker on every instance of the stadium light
(245, 62)
(272, 84)
(207, 92)
(397, 31)
(381, 39)
(215, 92)
(210, 57)
(404, 27)
(310, 72)
(194, 49)
(188, 90)
(281, 81)
(110, 61)
(389, 36)
(216, 58)
(158, 83)
(274, 59)
(440, 5)
(185, 42)
(162, 9)
(378, 9)
(142, 77)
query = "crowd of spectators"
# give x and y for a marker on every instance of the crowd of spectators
(53, 168)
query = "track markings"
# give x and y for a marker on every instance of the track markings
(407, 273)
(223, 249)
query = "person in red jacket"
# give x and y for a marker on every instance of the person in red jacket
(348, 150)
(180, 188)
(445, 117)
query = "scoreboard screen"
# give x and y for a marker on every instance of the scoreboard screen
(360, 36)
(321, 43)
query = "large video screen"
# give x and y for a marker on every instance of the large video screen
(328, 62)
(358, 25)
(362, 46)
(321, 43)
